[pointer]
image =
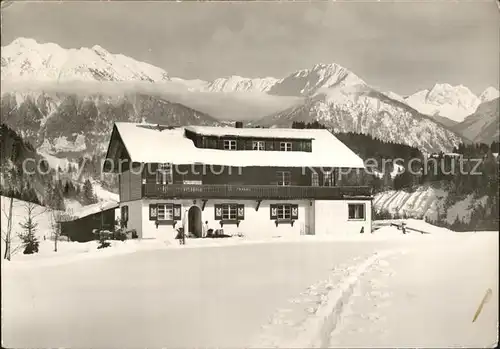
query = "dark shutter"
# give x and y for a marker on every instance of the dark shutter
(125, 213)
(240, 144)
(273, 211)
(218, 212)
(153, 212)
(177, 212)
(249, 144)
(295, 211)
(241, 212)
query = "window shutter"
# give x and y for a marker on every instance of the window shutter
(177, 212)
(125, 213)
(249, 144)
(295, 211)
(153, 212)
(274, 211)
(240, 144)
(218, 212)
(241, 211)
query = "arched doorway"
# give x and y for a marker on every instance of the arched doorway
(194, 221)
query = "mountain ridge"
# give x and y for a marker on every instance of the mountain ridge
(329, 91)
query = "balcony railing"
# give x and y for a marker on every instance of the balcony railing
(233, 191)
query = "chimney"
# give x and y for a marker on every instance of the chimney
(238, 124)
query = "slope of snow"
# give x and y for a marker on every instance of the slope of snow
(103, 194)
(426, 202)
(453, 102)
(489, 94)
(360, 109)
(425, 298)
(25, 59)
(482, 126)
(463, 209)
(307, 82)
(42, 216)
(240, 84)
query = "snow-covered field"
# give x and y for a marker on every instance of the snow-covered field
(383, 289)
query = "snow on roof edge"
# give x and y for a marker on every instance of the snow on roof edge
(143, 140)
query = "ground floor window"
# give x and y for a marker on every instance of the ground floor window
(357, 211)
(165, 212)
(229, 212)
(284, 211)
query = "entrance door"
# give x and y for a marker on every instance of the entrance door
(194, 221)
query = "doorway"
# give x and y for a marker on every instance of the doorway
(194, 221)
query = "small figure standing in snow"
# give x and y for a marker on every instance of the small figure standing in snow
(205, 229)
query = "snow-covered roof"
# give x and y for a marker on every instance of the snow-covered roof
(92, 209)
(148, 144)
(288, 133)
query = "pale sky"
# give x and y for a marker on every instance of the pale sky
(402, 47)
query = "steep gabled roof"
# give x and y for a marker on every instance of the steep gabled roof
(147, 143)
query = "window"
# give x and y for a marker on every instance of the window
(327, 179)
(258, 145)
(165, 212)
(314, 179)
(286, 146)
(164, 174)
(357, 211)
(283, 177)
(229, 144)
(284, 212)
(229, 211)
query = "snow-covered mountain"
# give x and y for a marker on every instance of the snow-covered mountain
(62, 123)
(489, 94)
(26, 60)
(453, 102)
(307, 82)
(328, 93)
(361, 109)
(482, 126)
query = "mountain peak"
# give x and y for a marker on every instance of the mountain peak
(321, 76)
(443, 99)
(489, 94)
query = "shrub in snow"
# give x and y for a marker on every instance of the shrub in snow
(28, 237)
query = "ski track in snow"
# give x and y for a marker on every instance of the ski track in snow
(404, 303)
(311, 317)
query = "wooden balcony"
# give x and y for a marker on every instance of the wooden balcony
(262, 192)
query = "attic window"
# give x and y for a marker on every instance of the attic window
(259, 145)
(286, 146)
(229, 144)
